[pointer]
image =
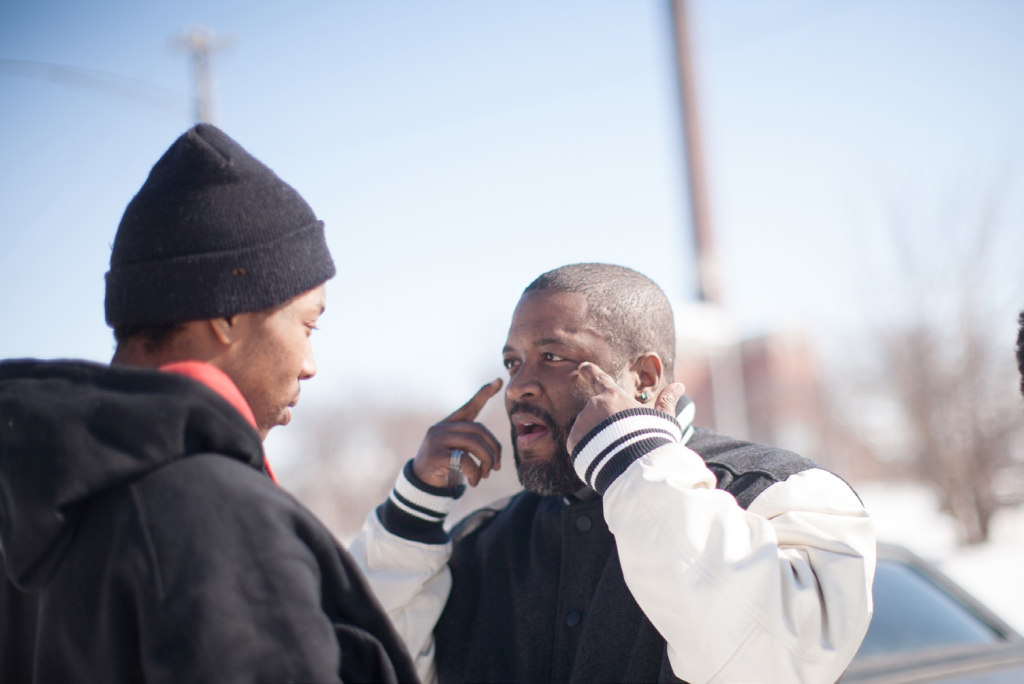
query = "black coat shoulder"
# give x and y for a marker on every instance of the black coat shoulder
(746, 469)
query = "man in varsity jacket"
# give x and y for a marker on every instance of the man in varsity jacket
(643, 549)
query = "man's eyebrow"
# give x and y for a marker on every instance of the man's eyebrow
(542, 342)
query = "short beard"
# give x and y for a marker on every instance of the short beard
(555, 477)
(552, 478)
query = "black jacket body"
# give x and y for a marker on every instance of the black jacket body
(142, 540)
(538, 592)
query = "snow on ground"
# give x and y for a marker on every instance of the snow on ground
(908, 514)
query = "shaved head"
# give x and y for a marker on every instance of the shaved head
(627, 306)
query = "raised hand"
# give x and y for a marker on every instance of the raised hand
(460, 431)
(608, 398)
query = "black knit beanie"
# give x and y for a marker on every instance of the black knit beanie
(212, 233)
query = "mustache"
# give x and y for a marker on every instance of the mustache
(523, 407)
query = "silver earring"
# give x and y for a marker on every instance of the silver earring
(643, 396)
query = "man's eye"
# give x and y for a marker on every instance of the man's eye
(548, 356)
(510, 363)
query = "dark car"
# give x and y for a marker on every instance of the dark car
(928, 629)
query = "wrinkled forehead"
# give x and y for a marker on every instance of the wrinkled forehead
(544, 315)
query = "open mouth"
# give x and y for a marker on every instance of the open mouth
(529, 429)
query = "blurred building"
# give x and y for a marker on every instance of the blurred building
(768, 388)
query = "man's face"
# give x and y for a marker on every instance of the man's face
(550, 335)
(273, 353)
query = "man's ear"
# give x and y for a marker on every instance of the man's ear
(649, 373)
(224, 329)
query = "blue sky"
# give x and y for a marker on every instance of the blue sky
(456, 149)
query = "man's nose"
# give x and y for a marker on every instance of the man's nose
(308, 368)
(523, 384)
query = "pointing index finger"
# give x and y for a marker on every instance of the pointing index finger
(471, 408)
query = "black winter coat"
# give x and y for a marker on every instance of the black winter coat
(142, 540)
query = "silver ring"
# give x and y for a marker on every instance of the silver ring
(454, 459)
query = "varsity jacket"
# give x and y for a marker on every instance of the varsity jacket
(691, 556)
(142, 540)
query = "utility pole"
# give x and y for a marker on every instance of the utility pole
(708, 330)
(708, 290)
(200, 44)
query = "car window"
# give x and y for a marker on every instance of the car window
(912, 613)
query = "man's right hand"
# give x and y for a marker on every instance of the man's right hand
(460, 431)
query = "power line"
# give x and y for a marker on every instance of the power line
(112, 84)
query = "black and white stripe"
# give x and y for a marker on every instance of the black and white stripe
(608, 449)
(421, 500)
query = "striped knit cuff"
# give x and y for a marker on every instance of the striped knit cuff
(415, 510)
(620, 439)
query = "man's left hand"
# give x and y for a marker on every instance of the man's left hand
(608, 398)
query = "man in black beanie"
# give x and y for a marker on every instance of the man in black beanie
(142, 535)
(212, 237)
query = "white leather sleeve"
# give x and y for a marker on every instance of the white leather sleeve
(780, 592)
(412, 581)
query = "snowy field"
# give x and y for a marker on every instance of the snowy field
(907, 514)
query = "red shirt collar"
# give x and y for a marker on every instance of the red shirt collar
(219, 382)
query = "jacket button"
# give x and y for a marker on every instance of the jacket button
(573, 618)
(583, 523)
